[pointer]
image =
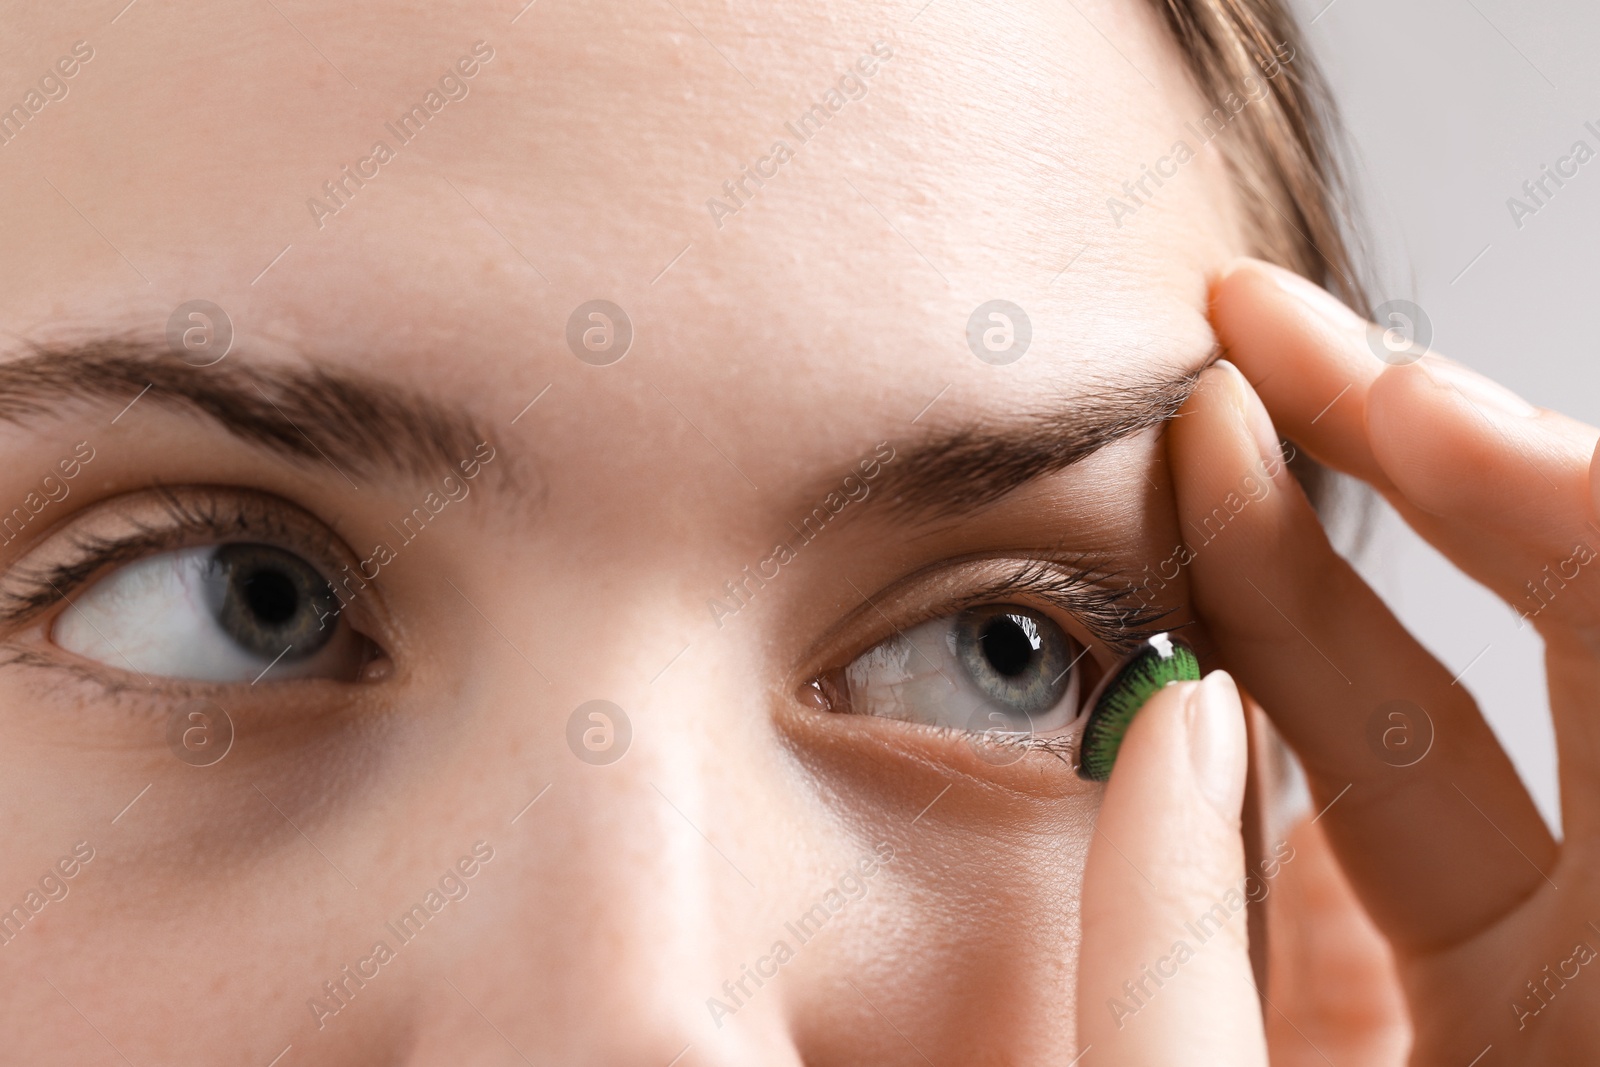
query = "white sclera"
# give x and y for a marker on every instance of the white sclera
(917, 676)
(152, 617)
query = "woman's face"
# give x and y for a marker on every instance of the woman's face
(409, 837)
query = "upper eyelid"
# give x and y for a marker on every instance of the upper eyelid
(1087, 593)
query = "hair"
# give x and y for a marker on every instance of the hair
(1281, 153)
(1285, 169)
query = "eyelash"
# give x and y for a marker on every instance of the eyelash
(199, 519)
(1083, 590)
(1108, 610)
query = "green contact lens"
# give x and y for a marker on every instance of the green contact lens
(1161, 659)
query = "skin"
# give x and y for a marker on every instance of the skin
(1486, 916)
(776, 352)
(1446, 852)
(772, 355)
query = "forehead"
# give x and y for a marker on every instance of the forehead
(628, 152)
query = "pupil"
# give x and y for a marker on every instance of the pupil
(272, 596)
(1006, 646)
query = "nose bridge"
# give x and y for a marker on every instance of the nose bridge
(641, 879)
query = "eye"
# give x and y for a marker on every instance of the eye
(1003, 668)
(218, 613)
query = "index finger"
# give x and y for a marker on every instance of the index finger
(1500, 487)
(1439, 842)
(1304, 367)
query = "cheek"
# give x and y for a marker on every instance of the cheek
(977, 960)
(968, 937)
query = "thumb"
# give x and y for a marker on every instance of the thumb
(1164, 971)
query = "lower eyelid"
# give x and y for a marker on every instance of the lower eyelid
(114, 712)
(882, 756)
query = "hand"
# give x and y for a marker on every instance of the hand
(1489, 918)
(1164, 970)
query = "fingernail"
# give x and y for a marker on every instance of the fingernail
(1255, 417)
(1478, 389)
(1318, 299)
(1216, 743)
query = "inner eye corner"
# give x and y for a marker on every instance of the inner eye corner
(820, 693)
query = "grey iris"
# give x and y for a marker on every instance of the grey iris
(268, 600)
(1018, 659)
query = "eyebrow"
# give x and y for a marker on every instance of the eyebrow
(308, 414)
(968, 467)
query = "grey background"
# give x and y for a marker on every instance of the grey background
(1450, 105)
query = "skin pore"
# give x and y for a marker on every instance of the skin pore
(772, 353)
